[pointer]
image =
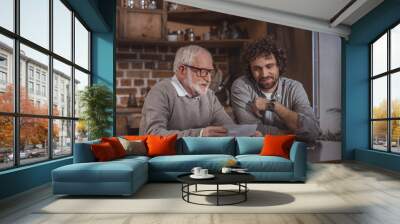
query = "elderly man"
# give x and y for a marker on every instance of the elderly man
(184, 105)
(277, 104)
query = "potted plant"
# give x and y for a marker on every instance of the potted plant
(96, 102)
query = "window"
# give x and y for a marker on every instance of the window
(43, 90)
(30, 72)
(40, 83)
(3, 61)
(3, 78)
(30, 87)
(38, 89)
(385, 94)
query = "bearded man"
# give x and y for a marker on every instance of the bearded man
(262, 96)
(184, 104)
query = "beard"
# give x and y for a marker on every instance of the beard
(267, 82)
(199, 88)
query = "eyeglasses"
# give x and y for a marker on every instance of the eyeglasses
(200, 72)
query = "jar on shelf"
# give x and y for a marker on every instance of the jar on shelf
(144, 4)
(153, 4)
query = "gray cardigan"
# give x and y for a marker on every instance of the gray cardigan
(164, 112)
(289, 93)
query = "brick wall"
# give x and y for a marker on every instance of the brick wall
(138, 69)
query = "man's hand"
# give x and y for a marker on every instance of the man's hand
(214, 131)
(259, 106)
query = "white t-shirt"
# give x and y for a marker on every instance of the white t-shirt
(268, 95)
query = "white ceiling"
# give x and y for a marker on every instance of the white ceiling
(314, 15)
(319, 9)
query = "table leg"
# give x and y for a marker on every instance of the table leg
(196, 188)
(217, 194)
(245, 191)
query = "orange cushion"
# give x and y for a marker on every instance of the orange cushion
(135, 137)
(277, 145)
(116, 145)
(103, 151)
(161, 145)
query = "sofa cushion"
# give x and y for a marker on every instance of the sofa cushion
(116, 145)
(111, 171)
(277, 145)
(185, 163)
(134, 147)
(83, 152)
(257, 163)
(159, 145)
(207, 145)
(249, 145)
(103, 152)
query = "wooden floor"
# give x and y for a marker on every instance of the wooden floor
(377, 188)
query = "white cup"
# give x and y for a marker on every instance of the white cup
(203, 172)
(196, 170)
(226, 170)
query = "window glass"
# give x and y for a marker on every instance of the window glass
(379, 135)
(7, 14)
(62, 29)
(34, 21)
(62, 91)
(379, 98)
(39, 62)
(379, 56)
(81, 131)
(6, 74)
(395, 136)
(395, 95)
(62, 138)
(33, 140)
(6, 142)
(81, 45)
(395, 47)
(81, 81)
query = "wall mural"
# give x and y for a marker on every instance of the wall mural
(148, 41)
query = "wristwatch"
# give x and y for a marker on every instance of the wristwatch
(271, 105)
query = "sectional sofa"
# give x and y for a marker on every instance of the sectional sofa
(125, 176)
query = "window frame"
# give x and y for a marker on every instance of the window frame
(16, 114)
(388, 74)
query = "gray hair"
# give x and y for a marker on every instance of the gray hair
(185, 55)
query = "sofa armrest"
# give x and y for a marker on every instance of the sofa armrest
(298, 155)
(83, 152)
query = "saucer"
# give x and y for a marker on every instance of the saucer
(208, 176)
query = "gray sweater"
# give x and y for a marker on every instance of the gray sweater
(164, 112)
(289, 93)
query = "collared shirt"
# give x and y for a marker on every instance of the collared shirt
(290, 93)
(180, 90)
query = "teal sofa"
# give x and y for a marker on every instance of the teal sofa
(125, 176)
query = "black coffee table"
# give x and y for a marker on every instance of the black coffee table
(238, 179)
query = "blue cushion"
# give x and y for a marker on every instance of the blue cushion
(83, 152)
(257, 163)
(111, 171)
(249, 145)
(185, 163)
(207, 145)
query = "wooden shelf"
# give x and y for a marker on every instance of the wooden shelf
(205, 43)
(201, 17)
(150, 11)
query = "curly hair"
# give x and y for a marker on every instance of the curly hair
(263, 47)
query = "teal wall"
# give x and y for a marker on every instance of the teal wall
(99, 15)
(356, 85)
